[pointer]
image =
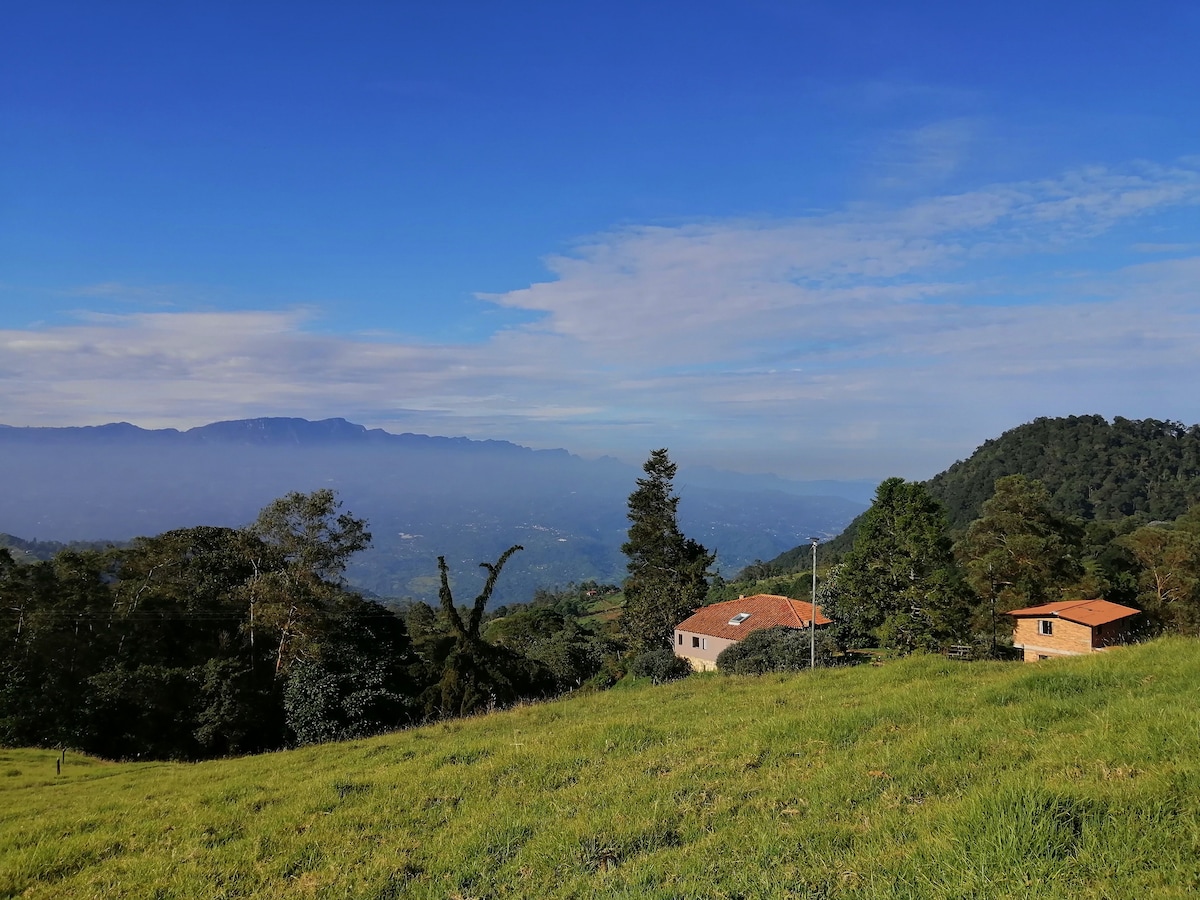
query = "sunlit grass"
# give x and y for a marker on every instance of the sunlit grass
(919, 778)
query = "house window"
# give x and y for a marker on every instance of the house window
(695, 641)
(680, 636)
(739, 618)
(1045, 626)
(703, 643)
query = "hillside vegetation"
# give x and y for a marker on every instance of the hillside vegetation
(1094, 470)
(919, 778)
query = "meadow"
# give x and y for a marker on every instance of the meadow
(918, 778)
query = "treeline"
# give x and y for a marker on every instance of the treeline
(207, 641)
(907, 584)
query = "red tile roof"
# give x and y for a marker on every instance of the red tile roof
(766, 611)
(1085, 612)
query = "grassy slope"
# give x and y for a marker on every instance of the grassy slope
(921, 778)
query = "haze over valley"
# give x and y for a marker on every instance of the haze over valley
(423, 497)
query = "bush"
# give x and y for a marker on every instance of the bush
(660, 666)
(778, 649)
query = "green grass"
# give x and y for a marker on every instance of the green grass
(920, 778)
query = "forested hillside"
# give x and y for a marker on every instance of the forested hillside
(1093, 469)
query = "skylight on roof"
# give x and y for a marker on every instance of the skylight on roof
(739, 618)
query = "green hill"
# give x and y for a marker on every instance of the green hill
(918, 778)
(1093, 469)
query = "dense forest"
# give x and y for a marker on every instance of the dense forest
(212, 641)
(1092, 469)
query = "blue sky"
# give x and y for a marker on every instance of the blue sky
(817, 239)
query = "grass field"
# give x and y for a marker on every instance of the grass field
(920, 778)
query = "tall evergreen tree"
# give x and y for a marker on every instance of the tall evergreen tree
(899, 587)
(668, 573)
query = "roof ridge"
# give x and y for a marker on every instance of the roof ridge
(792, 607)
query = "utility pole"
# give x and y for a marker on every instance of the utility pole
(812, 616)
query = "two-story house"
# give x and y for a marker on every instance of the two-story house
(1070, 627)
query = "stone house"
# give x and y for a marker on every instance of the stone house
(703, 635)
(1070, 628)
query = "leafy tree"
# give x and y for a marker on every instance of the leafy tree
(1169, 574)
(310, 535)
(547, 632)
(65, 638)
(1091, 468)
(176, 594)
(359, 684)
(305, 546)
(899, 587)
(237, 710)
(523, 629)
(35, 695)
(150, 649)
(778, 649)
(143, 711)
(1020, 552)
(668, 573)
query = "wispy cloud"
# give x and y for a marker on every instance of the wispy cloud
(918, 159)
(863, 342)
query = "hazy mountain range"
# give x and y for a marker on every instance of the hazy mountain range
(423, 497)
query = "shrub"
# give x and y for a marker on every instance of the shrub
(778, 649)
(660, 666)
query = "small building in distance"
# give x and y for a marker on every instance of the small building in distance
(703, 635)
(1070, 628)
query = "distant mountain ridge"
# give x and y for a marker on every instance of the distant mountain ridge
(423, 496)
(260, 431)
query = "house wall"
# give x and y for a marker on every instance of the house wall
(704, 657)
(1068, 639)
(1110, 634)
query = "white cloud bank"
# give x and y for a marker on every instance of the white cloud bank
(865, 342)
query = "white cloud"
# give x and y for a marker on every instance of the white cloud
(869, 341)
(927, 156)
